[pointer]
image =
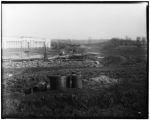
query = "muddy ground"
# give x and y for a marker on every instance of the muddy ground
(100, 96)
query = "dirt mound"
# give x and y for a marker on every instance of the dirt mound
(101, 81)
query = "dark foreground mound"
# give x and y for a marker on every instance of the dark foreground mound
(126, 99)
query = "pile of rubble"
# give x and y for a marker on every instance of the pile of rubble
(101, 81)
(54, 63)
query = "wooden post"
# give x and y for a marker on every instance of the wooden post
(53, 82)
(68, 82)
(57, 82)
(76, 81)
(63, 82)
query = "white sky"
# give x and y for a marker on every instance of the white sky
(74, 21)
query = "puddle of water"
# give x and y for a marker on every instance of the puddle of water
(23, 56)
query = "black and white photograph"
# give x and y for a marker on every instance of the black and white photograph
(74, 60)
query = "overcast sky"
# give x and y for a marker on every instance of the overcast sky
(74, 21)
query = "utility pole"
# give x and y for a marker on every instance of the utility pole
(45, 53)
(28, 48)
(21, 48)
(21, 40)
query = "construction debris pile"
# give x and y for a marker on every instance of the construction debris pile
(51, 63)
(101, 81)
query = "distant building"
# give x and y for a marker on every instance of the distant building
(24, 42)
